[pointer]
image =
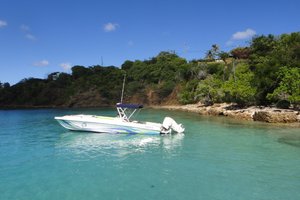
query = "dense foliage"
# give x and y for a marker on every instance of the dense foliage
(264, 73)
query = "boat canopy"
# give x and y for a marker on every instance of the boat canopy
(131, 106)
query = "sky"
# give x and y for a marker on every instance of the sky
(38, 37)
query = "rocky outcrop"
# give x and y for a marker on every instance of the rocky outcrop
(242, 114)
(263, 114)
(276, 116)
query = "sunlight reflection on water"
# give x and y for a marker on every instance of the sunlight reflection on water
(89, 145)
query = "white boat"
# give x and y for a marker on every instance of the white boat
(123, 123)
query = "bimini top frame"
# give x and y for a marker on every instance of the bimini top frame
(126, 111)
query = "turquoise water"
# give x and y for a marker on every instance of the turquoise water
(216, 159)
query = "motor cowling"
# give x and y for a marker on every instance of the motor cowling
(170, 124)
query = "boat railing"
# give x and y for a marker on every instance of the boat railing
(127, 111)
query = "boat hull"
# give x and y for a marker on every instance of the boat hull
(102, 124)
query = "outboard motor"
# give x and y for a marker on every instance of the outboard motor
(170, 124)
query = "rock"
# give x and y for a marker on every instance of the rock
(239, 114)
(263, 114)
(215, 111)
(275, 117)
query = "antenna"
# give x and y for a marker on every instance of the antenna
(123, 88)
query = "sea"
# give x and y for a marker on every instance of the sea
(215, 159)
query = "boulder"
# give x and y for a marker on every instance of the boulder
(275, 116)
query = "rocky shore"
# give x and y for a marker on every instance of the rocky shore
(263, 114)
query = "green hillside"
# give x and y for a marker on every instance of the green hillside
(264, 73)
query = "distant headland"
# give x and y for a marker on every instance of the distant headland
(264, 73)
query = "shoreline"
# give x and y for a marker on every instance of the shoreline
(269, 115)
(254, 113)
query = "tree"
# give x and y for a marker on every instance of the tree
(241, 53)
(127, 65)
(268, 55)
(210, 90)
(213, 52)
(209, 55)
(240, 88)
(53, 76)
(289, 86)
(187, 94)
(224, 56)
(6, 85)
(165, 89)
(79, 71)
(263, 45)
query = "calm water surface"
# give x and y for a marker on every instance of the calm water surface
(215, 159)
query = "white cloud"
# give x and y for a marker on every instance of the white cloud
(30, 36)
(66, 66)
(109, 27)
(41, 63)
(3, 23)
(242, 35)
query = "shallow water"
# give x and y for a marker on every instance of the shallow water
(216, 158)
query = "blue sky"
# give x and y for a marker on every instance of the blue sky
(39, 37)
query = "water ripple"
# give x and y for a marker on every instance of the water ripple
(89, 145)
